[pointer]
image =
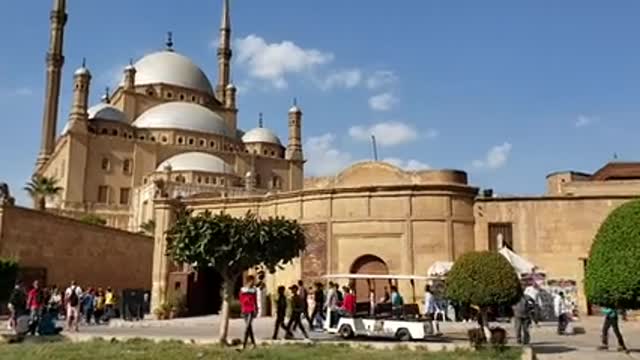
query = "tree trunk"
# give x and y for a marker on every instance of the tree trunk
(42, 202)
(227, 296)
(484, 323)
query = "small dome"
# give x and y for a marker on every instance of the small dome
(169, 67)
(196, 161)
(295, 109)
(183, 116)
(82, 72)
(261, 135)
(231, 87)
(108, 112)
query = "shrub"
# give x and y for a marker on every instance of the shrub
(612, 278)
(483, 279)
(93, 219)
(8, 274)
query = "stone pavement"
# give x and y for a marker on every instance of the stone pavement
(546, 343)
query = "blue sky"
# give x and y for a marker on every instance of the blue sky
(507, 90)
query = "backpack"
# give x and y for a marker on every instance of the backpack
(73, 297)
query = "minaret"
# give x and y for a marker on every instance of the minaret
(224, 52)
(78, 118)
(294, 148)
(230, 97)
(130, 76)
(55, 61)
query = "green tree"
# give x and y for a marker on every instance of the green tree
(8, 274)
(483, 279)
(40, 188)
(232, 246)
(148, 228)
(612, 278)
(93, 219)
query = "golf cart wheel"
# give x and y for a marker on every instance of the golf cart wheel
(403, 335)
(345, 331)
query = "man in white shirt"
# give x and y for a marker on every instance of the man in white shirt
(533, 292)
(430, 309)
(72, 297)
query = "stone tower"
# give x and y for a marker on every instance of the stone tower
(224, 53)
(55, 61)
(294, 147)
(78, 117)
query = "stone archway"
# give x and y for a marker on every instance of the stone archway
(370, 265)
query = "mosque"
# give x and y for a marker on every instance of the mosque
(166, 138)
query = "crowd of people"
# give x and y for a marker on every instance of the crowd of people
(37, 309)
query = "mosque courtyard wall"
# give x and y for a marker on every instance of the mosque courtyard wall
(67, 249)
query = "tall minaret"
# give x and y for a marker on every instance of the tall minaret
(224, 53)
(294, 148)
(55, 60)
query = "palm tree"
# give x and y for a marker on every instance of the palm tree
(40, 187)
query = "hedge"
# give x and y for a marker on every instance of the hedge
(612, 278)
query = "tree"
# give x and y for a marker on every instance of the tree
(41, 187)
(93, 219)
(148, 228)
(8, 274)
(232, 246)
(612, 278)
(483, 279)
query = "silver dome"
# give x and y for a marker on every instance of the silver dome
(183, 116)
(261, 135)
(105, 111)
(196, 161)
(168, 67)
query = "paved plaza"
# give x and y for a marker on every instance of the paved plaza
(545, 342)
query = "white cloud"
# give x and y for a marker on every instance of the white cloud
(381, 78)
(323, 157)
(584, 120)
(411, 164)
(23, 91)
(496, 157)
(347, 79)
(273, 61)
(387, 133)
(383, 102)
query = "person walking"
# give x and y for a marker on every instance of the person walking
(522, 311)
(430, 310)
(109, 304)
(35, 300)
(17, 305)
(88, 305)
(297, 304)
(249, 308)
(305, 296)
(562, 312)
(281, 312)
(72, 300)
(611, 321)
(318, 296)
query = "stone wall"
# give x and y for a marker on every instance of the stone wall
(314, 260)
(555, 233)
(71, 250)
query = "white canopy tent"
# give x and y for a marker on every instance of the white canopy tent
(439, 268)
(520, 264)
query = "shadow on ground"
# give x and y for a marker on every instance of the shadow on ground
(551, 348)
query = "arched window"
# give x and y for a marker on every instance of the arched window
(106, 164)
(126, 166)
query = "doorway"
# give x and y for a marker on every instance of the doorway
(370, 265)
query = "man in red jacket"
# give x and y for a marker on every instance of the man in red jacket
(35, 298)
(249, 306)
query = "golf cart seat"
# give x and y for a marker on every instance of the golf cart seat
(383, 310)
(411, 311)
(363, 309)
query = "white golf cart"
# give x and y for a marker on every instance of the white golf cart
(382, 321)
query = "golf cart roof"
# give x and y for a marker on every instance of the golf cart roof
(377, 277)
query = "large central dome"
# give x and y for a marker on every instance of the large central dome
(168, 67)
(183, 116)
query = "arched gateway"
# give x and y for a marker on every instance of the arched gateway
(370, 265)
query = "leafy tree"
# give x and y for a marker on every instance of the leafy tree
(93, 219)
(148, 228)
(483, 279)
(612, 278)
(232, 246)
(8, 274)
(41, 187)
